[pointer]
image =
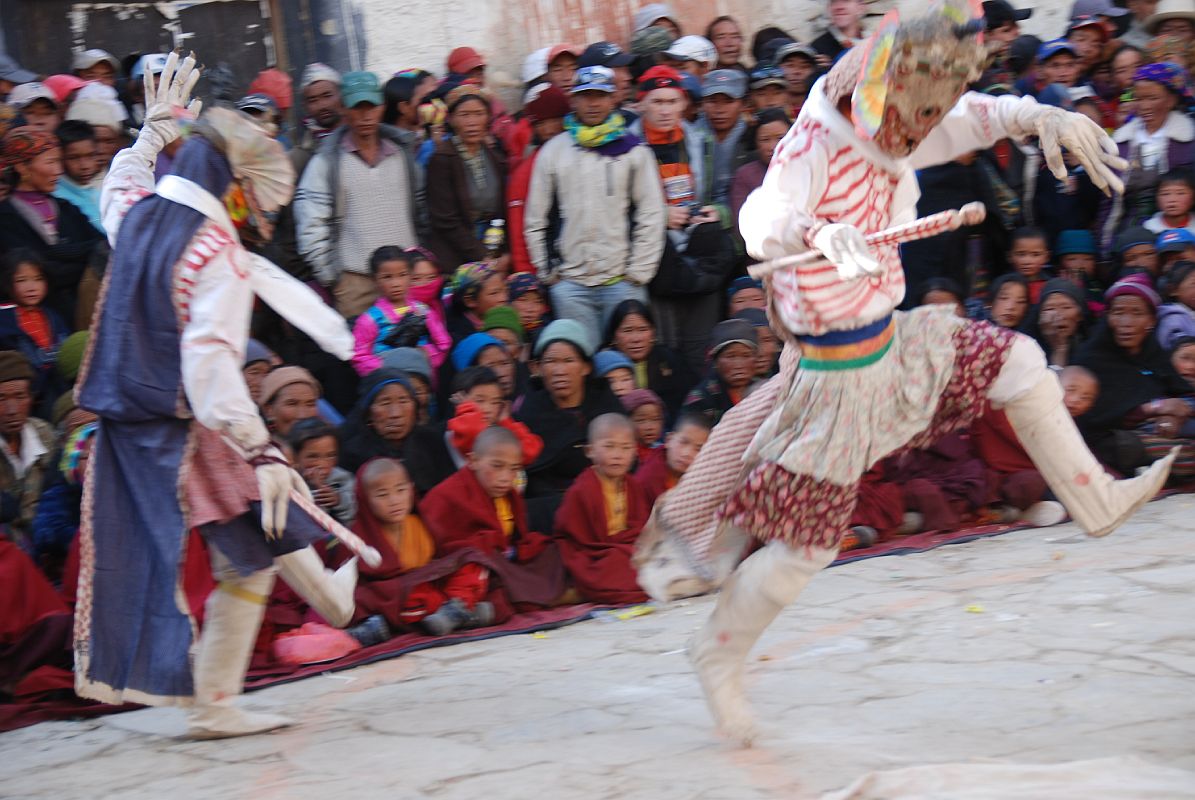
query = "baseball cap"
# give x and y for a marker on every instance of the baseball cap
(1096, 8)
(652, 13)
(732, 331)
(558, 50)
(593, 79)
(795, 49)
(360, 87)
(256, 102)
(464, 59)
(63, 85)
(605, 54)
(1053, 48)
(998, 13)
(1089, 22)
(89, 58)
(1175, 240)
(26, 93)
(535, 65)
(153, 63)
(12, 72)
(768, 76)
(730, 82)
(314, 73)
(692, 48)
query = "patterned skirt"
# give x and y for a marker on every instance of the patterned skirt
(932, 378)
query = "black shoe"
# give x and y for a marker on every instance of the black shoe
(448, 618)
(373, 630)
(481, 615)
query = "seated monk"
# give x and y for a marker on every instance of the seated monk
(477, 518)
(681, 447)
(1021, 489)
(602, 515)
(35, 624)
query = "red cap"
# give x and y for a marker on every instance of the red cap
(660, 77)
(276, 85)
(464, 59)
(561, 49)
(63, 85)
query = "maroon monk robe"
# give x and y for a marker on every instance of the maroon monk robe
(35, 624)
(461, 517)
(1016, 479)
(880, 505)
(655, 477)
(600, 562)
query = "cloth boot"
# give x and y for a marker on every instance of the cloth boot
(1095, 500)
(329, 593)
(234, 611)
(755, 593)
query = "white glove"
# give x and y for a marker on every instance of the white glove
(844, 247)
(1057, 129)
(275, 480)
(166, 99)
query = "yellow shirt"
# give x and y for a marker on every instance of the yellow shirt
(641, 379)
(506, 515)
(614, 494)
(415, 547)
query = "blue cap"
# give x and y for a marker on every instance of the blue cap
(1053, 48)
(741, 283)
(594, 79)
(692, 86)
(730, 82)
(469, 348)
(153, 63)
(1175, 240)
(607, 361)
(1075, 242)
(256, 102)
(767, 76)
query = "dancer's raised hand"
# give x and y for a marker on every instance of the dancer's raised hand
(167, 98)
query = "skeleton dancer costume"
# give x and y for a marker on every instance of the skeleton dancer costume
(861, 381)
(180, 443)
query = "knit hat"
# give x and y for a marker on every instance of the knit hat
(650, 41)
(314, 73)
(1075, 242)
(503, 317)
(636, 399)
(282, 377)
(70, 356)
(1066, 287)
(565, 330)
(545, 101)
(742, 283)
(1134, 236)
(255, 351)
(14, 367)
(607, 361)
(469, 348)
(732, 331)
(411, 360)
(1136, 285)
(520, 283)
(660, 77)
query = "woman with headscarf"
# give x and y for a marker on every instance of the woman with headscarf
(32, 217)
(378, 426)
(1139, 389)
(476, 288)
(180, 444)
(1059, 321)
(466, 180)
(1158, 139)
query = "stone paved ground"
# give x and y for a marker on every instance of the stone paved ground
(1040, 646)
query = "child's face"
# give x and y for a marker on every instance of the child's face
(393, 279)
(28, 286)
(682, 447)
(621, 381)
(423, 273)
(489, 401)
(765, 356)
(80, 161)
(1183, 361)
(316, 458)
(1079, 393)
(1010, 306)
(390, 496)
(1175, 199)
(747, 298)
(1075, 263)
(613, 452)
(497, 468)
(649, 424)
(530, 307)
(735, 365)
(492, 294)
(1185, 291)
(1141, 256)
(1028, 256)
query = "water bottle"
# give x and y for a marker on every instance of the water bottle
(495, 237)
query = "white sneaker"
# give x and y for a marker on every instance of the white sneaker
(1044, 514)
